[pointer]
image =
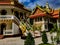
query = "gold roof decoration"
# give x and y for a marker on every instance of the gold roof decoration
(47, 8)
(37, 6)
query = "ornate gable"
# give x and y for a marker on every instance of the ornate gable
(38, 9)
(55, 14)
(38, 12)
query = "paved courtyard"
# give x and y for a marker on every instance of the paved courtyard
(16, 41)
(19, 41)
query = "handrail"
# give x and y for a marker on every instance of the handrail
(6, 16)
(9, 17)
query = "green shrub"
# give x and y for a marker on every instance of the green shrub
(44, 37)
(46, 44)
(29, 40)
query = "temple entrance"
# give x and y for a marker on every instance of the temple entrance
(2, 27)
(50, 26)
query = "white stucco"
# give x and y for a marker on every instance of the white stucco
(43, 22)
(15, 28)
(7, 32)
(58, 24)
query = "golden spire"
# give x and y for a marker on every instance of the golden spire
(47, 5)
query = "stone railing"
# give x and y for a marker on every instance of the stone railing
(7, 32)
(16, 19)
(5, 17)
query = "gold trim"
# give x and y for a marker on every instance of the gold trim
(12, 2)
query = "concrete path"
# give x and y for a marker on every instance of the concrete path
(17, 41)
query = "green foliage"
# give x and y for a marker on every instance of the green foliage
(44, 37)
(54, 29)
(58, 30)
(58, 40)
(37, 27)
(46, 44)
(28, 29)
(29, 40)
(52, 39)
(58, 35)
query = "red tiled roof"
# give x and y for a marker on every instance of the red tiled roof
(56, 16)
(37, 15)
(56, 12)
(5, 2)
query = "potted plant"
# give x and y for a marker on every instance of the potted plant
(29, 40)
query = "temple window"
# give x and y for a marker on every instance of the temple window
(12, 10)
(3, 12)
(46, 26)
(45, 19)
(31, 21)
(40, 18)
(2, 27)
(36, 19)
(16, 14)
(21, 15)
(59, 20)
(24, 15)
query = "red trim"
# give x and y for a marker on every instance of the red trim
(56, 16)
(5, 2)
(38, 15)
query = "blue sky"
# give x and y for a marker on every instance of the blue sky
(32, 3)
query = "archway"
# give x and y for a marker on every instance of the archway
(3, 26)
(50, 26)
(16, 13)
(3, 12)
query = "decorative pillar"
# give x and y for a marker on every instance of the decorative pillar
(58, 23)
(43, 24)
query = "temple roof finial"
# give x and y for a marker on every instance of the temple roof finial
(47, 5)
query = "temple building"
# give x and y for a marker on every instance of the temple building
(45, 17)
(11, 13)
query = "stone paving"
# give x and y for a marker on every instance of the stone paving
(19, 41)
(12, 41)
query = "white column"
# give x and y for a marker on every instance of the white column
(33, 21)
(43, 24)
(12, 28)
(58, 23)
